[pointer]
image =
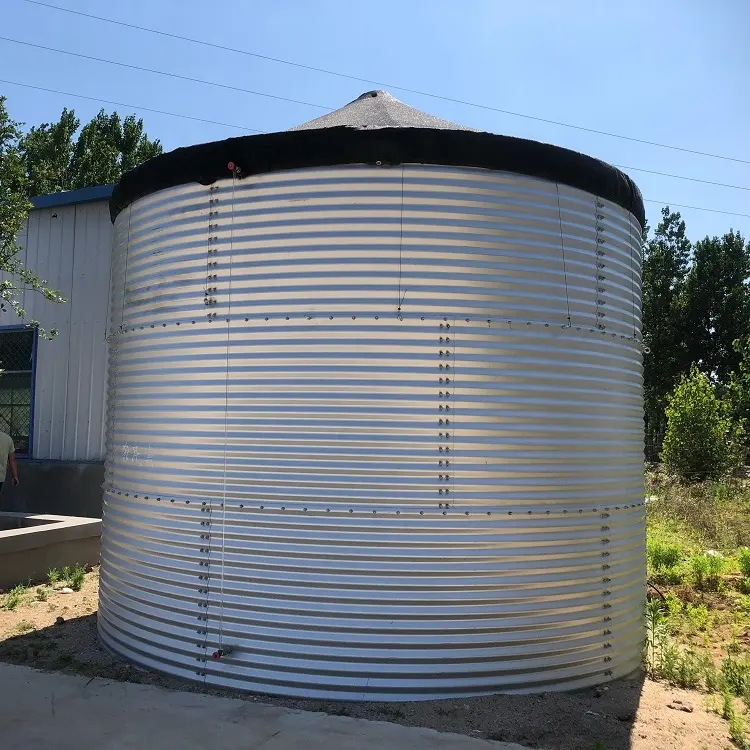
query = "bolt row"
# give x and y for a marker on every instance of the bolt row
(205, 506)
(213, 316)
(445, 428)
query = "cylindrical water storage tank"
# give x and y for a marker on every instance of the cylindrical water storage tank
(375, 413)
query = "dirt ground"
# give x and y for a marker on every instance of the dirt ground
(629, 715)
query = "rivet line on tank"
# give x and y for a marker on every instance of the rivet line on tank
(212, 301)
(205, 506)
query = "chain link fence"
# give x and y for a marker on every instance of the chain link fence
(16, 370)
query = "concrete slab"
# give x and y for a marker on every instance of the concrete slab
(31, 544)
(39, 711)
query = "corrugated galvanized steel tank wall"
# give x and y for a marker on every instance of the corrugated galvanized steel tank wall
(376, 433)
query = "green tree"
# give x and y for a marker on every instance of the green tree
(717, 303)
(738, 389)
(665, 267)
(48, 150)
(14, 208)
(702, 441)
(57, 159)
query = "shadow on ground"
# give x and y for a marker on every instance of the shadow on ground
(596, 719)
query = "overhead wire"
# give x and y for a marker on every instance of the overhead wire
(143, 69)
(682, 177)
(272, 96)
(131, 106)
(369, 81)
(696, 208)
(256, 130)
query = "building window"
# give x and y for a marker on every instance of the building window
(16, 385)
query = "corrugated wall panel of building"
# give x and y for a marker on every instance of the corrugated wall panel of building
(70, 248)
(87, 373)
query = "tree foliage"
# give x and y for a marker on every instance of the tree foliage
(58, 156)
(717, 303)
(738, 389)
(696, 305)
(665, 267)
(49, 158)
(14, 208)
(47, 152)
(702, 441)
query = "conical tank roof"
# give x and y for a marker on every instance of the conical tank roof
(378, 109)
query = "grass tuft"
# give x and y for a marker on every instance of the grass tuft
(14, 596)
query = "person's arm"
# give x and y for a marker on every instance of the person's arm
(13, 468)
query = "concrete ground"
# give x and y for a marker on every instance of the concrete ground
(40, 710)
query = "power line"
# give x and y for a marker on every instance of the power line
(130, 106)
(255, 130)
(683, 177)
(696, 208)
(162, 73)
(372, 82)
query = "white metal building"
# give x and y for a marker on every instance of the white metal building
(53, 393)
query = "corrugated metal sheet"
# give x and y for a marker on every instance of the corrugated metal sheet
(70, 247)
(378, 432)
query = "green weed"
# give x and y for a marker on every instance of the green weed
(728, 706)
(706, 571)
(24, 626)
(663, 556)
(713, 679)
(42, 594)
(76, 578)
(698, 617)
(673, 604)
(53, 576)
(14, 596)
(736, 675)
(743, 558)
(690, 671)
(736, 722)
(737, 730)
(656, 634)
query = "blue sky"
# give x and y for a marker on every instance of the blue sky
(676, 72)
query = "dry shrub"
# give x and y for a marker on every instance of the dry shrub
(715, 513)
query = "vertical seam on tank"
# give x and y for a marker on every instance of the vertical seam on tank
(226, 417)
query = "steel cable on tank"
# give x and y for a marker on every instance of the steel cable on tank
(125, 275)
(562, 248)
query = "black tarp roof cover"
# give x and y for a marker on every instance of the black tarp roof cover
(378, 129)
